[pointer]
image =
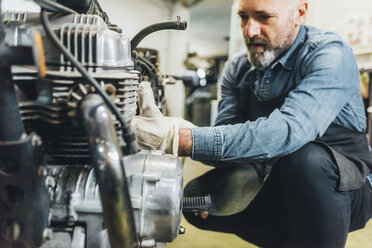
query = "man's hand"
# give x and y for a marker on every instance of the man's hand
(153, 130)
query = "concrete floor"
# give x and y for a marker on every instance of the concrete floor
(196, 238)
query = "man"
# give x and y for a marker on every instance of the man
(293, 105)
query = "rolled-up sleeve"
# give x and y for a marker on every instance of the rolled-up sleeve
(207, 143)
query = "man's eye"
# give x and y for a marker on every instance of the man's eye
(263, 17)
(243, 17)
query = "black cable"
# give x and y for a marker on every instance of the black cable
(153, 74)
(151, 65)
(151, 77)
(146, 68)
(128, 135)
(54, 7)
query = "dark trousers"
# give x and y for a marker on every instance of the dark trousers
(298, 206)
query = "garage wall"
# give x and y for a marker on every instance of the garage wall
(331, 13)
(22, 5)
(209, 27)
(350, 19)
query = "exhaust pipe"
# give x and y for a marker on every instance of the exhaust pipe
(108, 166)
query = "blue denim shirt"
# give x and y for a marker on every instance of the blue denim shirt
(320, 77)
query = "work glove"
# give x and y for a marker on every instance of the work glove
(153, 130)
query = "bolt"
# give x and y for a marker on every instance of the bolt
(148, 243)
(47, 234)
(51, 193)
(36, 141)
(54, 172)
(181, 230)
(50, 216)
(151, 178)
(50, 182)
(42, 171)
(12, 230)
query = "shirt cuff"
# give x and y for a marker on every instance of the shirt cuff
(207, 143)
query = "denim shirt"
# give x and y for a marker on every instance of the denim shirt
(318, 75)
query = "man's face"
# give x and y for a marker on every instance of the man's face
(269, 28)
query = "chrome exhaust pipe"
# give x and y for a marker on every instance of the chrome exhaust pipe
(109, 169)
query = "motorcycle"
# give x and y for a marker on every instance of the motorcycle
(71, 174)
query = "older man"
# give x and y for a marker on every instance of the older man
(291, 116)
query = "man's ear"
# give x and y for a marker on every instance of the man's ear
(301, 13)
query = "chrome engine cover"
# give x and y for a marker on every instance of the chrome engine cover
(156, 189)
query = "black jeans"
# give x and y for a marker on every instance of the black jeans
(298, 205)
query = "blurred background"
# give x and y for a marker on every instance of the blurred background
(195, 58)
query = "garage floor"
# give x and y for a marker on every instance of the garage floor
(196, 238)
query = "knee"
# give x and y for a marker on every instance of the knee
(306, 164)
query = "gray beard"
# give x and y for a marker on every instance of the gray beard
(262, 60)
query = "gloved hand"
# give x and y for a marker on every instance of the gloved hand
(154, 131)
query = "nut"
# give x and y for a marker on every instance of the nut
(181, 230)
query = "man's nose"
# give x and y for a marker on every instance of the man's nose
(252, 28)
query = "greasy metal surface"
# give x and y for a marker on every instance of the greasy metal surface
(23, 196)
(108, 166)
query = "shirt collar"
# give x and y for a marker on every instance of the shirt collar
(289, 57)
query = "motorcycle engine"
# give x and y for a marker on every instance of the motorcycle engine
(50, 107)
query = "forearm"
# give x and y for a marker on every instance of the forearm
(185, 142)
(251, 141)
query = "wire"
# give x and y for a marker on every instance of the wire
(104, 14)
(153, 74)
(128, 135)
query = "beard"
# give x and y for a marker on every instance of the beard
(262, 59)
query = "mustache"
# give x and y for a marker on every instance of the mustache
(257, 40)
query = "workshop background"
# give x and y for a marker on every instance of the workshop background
(213, 35)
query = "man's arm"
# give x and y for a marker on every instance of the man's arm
(330, 80)
(185, 142)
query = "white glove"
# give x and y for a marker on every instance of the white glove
(154, 131)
